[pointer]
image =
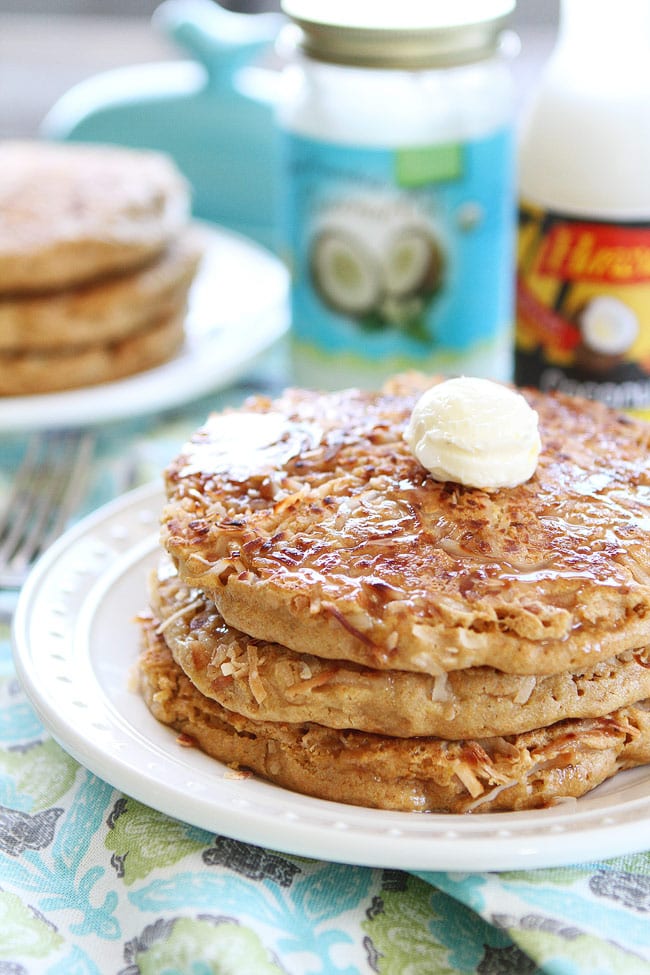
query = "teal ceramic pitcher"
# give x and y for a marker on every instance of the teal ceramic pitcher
(213, 113)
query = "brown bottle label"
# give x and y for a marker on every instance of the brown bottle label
(583, 307)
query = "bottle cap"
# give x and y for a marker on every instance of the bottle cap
(409, 34)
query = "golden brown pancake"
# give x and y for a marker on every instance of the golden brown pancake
(309, 523)
(102, 311)
(417, 774)
(265, 681)
(71, 213)
(87, 365)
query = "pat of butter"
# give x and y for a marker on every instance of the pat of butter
(475, 432)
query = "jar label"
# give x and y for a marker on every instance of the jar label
(402, 256)
(583, 307)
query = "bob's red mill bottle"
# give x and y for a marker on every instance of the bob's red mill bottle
(583, 266)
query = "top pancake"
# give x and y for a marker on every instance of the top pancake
(71, 213)
(310, 524)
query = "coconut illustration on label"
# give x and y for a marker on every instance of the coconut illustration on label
(378, 260)
(608, 329)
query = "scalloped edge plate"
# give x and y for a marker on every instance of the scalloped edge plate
(75, 648)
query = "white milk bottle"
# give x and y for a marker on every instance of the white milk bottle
(583, 263)
(398, 202)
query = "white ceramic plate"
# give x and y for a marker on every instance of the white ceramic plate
(75, 648)
(238, 306)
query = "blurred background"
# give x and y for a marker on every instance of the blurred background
(47, 46)
(538, 11)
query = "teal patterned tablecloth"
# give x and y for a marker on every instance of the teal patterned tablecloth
(93, 882)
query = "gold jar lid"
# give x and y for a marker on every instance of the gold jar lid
(406, 34)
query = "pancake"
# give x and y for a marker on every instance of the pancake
(418, 774)
(265, 681)
(88, 365)
(102, 311)
(71, 213)
(309, 524)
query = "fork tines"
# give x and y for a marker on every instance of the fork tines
(47, 488)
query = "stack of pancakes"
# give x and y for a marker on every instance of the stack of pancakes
(96, 260)
(329, 616)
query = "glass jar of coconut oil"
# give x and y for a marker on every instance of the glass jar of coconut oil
(398, 203)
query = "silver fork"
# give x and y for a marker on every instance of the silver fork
(47, 488)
